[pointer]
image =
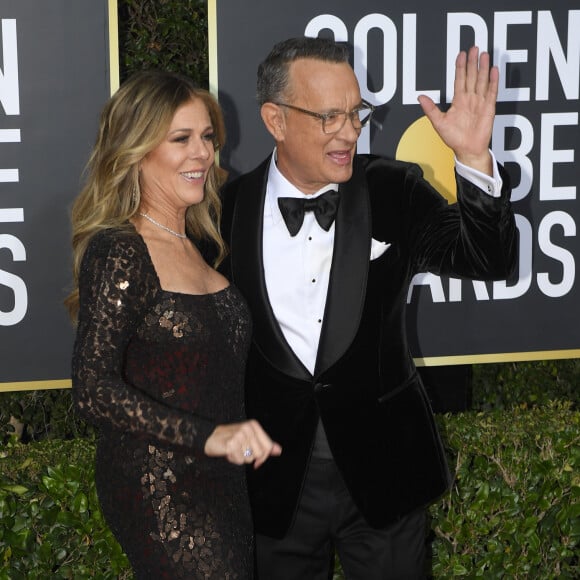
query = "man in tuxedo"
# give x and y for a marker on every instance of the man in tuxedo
(324, 244)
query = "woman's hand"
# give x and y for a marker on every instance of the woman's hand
(240, 443)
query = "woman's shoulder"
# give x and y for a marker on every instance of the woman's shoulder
(120, 254)
(117, 241)
(118, 249)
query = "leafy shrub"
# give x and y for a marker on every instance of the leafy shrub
(164, 34)
(40, 415)
(50, 520)
(514, 510)
(502, 386)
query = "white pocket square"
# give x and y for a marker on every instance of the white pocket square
(378, 248)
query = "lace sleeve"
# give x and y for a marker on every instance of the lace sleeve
(116, 282)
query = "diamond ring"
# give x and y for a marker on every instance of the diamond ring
(248, 452)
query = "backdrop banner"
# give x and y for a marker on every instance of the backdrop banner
(54, 79)
(401, 50)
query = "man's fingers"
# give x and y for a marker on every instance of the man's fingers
(482, 85)
(472, 73)
(493, 86)
(430, 109)
(460, 72)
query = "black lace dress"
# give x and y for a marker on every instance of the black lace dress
(156, 371)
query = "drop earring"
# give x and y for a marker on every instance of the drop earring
(135, 195)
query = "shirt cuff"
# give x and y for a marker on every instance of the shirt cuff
(490, 185)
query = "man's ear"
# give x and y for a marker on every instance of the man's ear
(274, 120)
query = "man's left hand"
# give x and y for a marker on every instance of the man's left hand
(467, 125)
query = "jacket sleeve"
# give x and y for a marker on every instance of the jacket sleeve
(474, 238)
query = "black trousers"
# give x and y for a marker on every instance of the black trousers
(327, 521)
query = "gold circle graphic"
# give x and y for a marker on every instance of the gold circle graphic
(421, 144)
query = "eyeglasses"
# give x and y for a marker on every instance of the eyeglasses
(333, 122)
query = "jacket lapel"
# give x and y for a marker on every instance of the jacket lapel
(248, 273)
(348, 277)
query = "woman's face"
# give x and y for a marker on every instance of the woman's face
(174, 173)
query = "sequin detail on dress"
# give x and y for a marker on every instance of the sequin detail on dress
(157, 371)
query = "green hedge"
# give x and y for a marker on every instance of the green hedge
(502, 386)
(515, 505)
(50, 521)
(513, 511)
(164, 34)
(38, 415)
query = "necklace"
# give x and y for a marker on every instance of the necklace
(169, 230)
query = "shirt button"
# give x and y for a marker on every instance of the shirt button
(314, 280)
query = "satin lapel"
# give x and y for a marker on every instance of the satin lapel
(348, 277)
(248, 274)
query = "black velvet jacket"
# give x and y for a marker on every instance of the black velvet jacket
(365, 387)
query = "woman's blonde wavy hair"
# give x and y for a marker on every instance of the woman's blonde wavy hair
(133, 123)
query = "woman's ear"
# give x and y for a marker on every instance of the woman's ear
(274, 120)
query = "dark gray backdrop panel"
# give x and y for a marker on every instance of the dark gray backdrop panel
(63, 51)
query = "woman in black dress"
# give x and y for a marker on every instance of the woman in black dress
(162, 337)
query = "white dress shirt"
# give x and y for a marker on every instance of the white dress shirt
(297, 269)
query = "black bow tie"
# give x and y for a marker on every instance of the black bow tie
(324, 207)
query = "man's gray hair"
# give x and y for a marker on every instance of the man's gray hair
(273, 71)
